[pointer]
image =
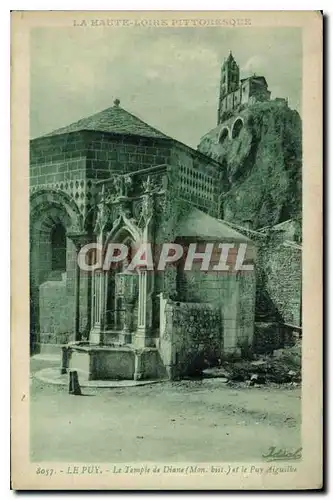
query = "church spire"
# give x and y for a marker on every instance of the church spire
(229, 75)
(229, 78)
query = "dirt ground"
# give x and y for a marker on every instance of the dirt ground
(199, 421)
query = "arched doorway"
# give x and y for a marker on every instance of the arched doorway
(51, 270)
(48, 263)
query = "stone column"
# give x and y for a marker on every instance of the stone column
(143, 334)
(126, 333)
(66, 353)
(98, 307)
(138, 373)
(79, 239)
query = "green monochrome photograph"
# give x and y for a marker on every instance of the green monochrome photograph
(166, 321)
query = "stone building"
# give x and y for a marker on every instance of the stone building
(113, 179)
(236, 92)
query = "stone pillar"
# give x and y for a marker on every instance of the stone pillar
(98, 312)
(66, 353)
(126, 333)
(77, 274)
(130, 292)
(143, 334)
(138, 365)
(79, 239)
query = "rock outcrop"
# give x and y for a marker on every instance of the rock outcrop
(260, 152)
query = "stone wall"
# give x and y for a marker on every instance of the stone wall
(57, 159)
(191, 337)
(246, 310)
(122, 154)
(52, 302)
(280, 275)
(213, 319)
(233, 295)
(55, 313)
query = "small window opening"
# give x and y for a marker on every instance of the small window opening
(58, 244)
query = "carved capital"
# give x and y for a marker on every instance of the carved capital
(79, 239)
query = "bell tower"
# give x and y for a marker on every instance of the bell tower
(229, 80)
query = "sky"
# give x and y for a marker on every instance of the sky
(169, 77)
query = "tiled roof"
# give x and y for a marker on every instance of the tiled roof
(113, 120)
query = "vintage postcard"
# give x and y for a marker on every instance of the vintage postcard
(166, 250)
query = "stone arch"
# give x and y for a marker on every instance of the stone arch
(45, 199)
(237, 127)
(223, 135)
(45, 215)
(121, 227)
(126, 233)
(50, 211)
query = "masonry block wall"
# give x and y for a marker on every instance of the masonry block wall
(280, 266)
(194, 335)
(233, 295)
(246, 309)
(57, 159)
(56, 302)
(108, 153)
(55, 312)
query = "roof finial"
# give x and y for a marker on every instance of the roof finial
(116, 103)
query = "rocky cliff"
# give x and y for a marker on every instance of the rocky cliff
(260, 152)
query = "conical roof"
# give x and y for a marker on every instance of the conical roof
(229, 59)
(113, 120)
